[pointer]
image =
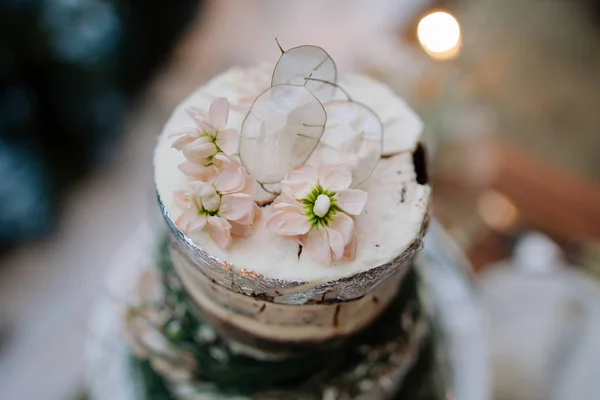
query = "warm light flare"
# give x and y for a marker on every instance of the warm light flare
(497, 210)
(439, 34)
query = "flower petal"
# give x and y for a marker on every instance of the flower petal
(288, 223)
(198, 115)
(190, 222)
(343, 224)
(199, 151)
(230, 181)
(232, 176)
(196, 224)
(285, 202)
(296, 189)
(241, 230)
(218, 112)
(299, 182)
(350, 251)
(202, 189)
(316, 245)
(336, 243)
(351, 201)
(247, 219)
(257, 213)
(225, 161)
(334, 178)
(251, 187)
(220, 231)
(182, 141)
(186, 130)
(284, 198)
(199, 172)
(185, 219)
(281, 206)
(236, 206)
(228, 140)
(304, 173)
(182, 199)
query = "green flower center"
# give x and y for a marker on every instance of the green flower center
(213, 139)
(320, 206)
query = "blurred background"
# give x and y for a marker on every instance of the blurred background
(509, 92)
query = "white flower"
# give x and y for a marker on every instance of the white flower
(224, 206)
(200, 144)
(315, 207)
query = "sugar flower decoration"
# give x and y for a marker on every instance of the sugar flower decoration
(316, 207)
(224, 206)
(209, 137)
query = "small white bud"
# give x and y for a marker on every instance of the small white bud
(322, 205)
(209, 197)
(211, 203)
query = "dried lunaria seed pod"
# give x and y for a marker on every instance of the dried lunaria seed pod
(280, 132)
(353, 139)
(308, 66)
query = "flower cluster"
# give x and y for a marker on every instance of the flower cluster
(220, 196)
(208, 138)
(316, 207)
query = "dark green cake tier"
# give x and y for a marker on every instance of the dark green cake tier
(397, 356)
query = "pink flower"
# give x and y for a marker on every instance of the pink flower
(201, 143)
(316, 207)
(224, 206)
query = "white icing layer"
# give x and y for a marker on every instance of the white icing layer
(394, 213)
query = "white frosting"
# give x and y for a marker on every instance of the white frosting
(386, 227)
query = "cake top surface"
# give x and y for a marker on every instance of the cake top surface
(388, 223)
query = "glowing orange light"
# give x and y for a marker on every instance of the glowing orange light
(497, 210)
(439, 34)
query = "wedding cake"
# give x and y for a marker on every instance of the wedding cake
(295, 199)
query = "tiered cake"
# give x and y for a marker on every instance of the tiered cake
(295, 202)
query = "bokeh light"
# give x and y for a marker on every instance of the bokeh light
(497, 210)
(439, 34)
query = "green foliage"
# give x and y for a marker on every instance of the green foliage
(152, 384)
